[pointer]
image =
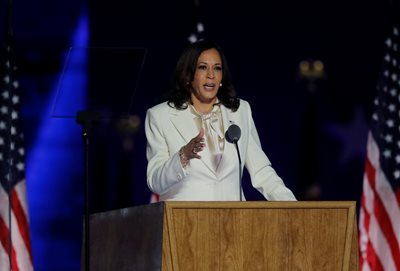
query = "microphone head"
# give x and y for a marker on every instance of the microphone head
(233, 133)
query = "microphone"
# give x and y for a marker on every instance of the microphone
(232, 135)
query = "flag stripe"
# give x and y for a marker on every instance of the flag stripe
(4, 259)
(4, 235)
(389, 201)
(361, 231)
(381, 239)
(382, 217)
(22, 221)
(364, 227)
(154, 198)
(397, 195)
(372, 260)
(23, 257)
(386, 227)
(376, 264)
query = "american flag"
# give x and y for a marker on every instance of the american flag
(379, 224)
(15, 248)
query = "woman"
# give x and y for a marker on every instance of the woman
(188, 157)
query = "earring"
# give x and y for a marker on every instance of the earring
(220, 84)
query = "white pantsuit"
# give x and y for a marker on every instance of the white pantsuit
(168, 129)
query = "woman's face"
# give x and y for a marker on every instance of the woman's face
(207, 77)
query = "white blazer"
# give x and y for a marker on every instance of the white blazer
(168, 129)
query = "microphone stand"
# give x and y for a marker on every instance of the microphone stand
(240, 170)
(86, 119)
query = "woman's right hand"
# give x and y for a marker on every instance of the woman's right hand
(191, 150)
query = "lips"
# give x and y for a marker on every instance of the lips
(209, 86)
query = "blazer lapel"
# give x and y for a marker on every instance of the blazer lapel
(229, 157)
(184, 124)
(227, 118)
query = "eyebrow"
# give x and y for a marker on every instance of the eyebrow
(203, 62)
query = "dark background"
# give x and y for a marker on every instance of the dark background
(313, 132)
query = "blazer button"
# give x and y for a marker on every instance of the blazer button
(179, 177)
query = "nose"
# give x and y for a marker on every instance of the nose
(210, 73)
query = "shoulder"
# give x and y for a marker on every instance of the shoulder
(163, 110)
(244, 103)
(160, 109)
(244, 106)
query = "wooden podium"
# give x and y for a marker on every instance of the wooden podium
(189, 236)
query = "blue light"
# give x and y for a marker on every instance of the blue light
(54, 171)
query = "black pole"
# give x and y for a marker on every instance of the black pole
(87, 226)
(9, 71)
(10, 165)
(86, 119)
(10, 162)
(240, 171)
(9, 18)
(232, 135)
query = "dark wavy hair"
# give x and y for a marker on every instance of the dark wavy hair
(180, 91)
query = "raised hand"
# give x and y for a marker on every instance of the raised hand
(191, 150)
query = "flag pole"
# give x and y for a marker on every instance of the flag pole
(9, 17)
(9, 66)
